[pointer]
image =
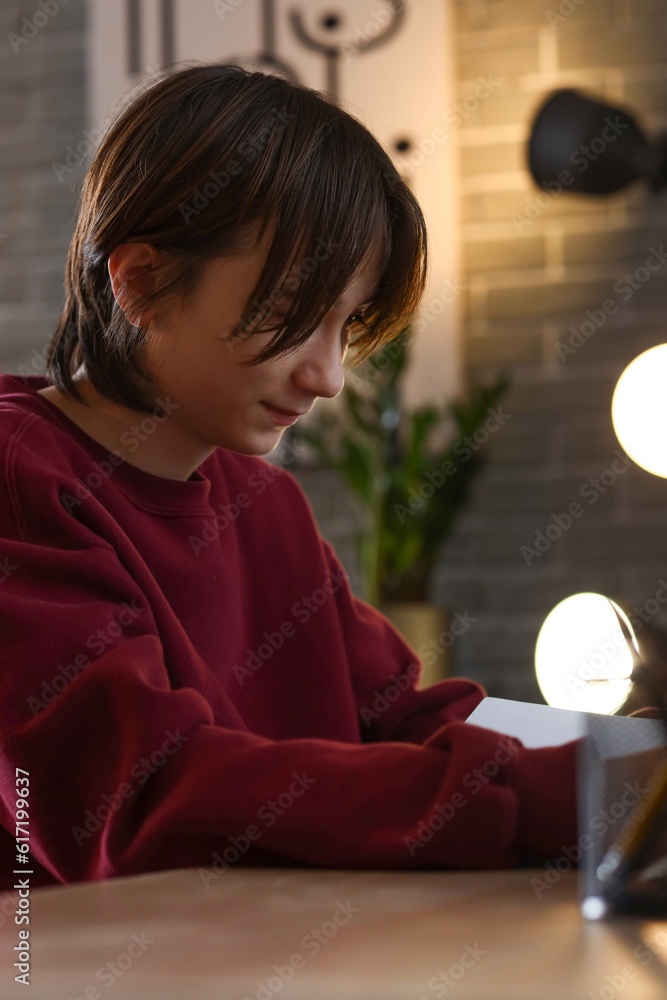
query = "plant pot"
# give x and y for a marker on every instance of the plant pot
(425, 627)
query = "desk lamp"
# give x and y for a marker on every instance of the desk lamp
(582, 659)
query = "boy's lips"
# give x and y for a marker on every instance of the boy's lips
(289, 413)
(280, 416)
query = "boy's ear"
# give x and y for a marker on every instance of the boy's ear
(132, 272)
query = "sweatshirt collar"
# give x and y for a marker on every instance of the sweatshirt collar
(153, 492)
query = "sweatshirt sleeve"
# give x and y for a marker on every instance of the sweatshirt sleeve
(128, 774)
(385, 673)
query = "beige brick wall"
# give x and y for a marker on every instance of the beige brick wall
(528, 285)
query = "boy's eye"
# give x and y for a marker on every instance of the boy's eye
(354, 318)
(357, 318)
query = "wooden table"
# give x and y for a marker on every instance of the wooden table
(332, 935)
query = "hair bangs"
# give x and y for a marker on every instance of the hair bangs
(342, 209)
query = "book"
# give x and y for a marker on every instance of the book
(545, 726)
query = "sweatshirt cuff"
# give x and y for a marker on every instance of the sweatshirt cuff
(545, 782)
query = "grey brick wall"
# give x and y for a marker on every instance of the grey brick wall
(42, 111)
(525, 290)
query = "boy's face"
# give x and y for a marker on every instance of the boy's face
(222, 402)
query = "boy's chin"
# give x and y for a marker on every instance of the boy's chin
(256, 444)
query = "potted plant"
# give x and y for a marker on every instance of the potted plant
(409, 492)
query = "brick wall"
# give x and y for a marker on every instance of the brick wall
(42, 111)
(525, 289)
(528, 284)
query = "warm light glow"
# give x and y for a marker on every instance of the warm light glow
(581, 658)
(638, 410)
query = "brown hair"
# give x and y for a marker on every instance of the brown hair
(187, 166)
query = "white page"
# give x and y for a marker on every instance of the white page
(544, 726)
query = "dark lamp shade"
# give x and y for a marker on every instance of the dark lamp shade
(600, 146)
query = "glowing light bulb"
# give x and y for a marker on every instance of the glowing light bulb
(582, 660)
(638, 410)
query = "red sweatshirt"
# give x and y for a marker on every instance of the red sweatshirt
(188, 680)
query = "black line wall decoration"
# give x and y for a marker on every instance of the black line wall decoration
(133, 16)
(332, 53)
(167, 35)
(267, 59)
(133, 20)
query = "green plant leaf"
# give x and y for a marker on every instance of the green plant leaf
(386, 468)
